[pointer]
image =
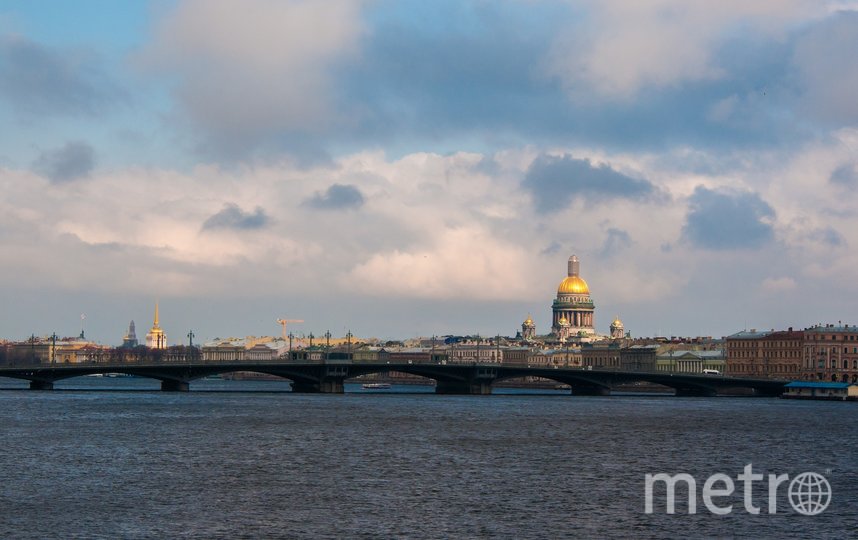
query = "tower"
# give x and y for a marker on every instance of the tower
(130, 339)
(573, 303)
(156, 338)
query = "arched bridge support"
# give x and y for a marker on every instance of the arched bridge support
(41, 385)
(594, 390)
(173, 385)
(476, 388)
(328, 379)
(326, 386)
(477, 381)
(695, 391)
(769, 391)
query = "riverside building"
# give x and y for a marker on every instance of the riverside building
(830, 353)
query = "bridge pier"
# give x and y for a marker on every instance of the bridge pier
(171, 385)
(768, 392)
(41, 385)
(332, 386)
(695, 392)
(472, 388)
(591, 391)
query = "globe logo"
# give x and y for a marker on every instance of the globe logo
(809, 493)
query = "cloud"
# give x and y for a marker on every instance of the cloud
(39, 80)
(337, 197)
(73, 161)
(844, 176)
(830, 236)
(554, 182)
(552, 248)
(722, 220)
(828, 69)
(495, 269)
(624, 50)
(233, 217)
(615, 241)
(246, 71)
(781, 284)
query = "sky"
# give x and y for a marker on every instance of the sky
(410, 168)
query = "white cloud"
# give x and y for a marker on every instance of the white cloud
(253, 68)
(466, 262)
(628, 46)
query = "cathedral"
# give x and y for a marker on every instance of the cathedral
(573, 311)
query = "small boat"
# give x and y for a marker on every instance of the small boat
(376, 386)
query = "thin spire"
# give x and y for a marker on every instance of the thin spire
(156, 314)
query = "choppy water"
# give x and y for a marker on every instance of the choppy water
(222, 463)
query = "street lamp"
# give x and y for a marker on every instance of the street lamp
(191, 337)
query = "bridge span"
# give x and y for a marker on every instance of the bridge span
(328, 376)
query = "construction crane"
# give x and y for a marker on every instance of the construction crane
(284, 322)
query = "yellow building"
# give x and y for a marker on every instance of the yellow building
(156, 338)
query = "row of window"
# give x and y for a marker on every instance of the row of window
(821, 364)
(758, 368)
(822, 337)
(755, 354)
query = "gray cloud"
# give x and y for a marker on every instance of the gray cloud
(727, 220)
(74, 160)
(615, 241)
(845, 176)
(233, 217)
(552, 248)
(825, 60)
(830, 236)
(38, 80)
(338, 196)
(554, 182)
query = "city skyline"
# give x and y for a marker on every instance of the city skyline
(403, 169)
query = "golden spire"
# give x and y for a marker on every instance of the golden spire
(156, 315)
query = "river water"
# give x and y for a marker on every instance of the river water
(115, 458)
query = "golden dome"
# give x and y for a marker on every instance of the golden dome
(528, 321)
(562, 321)
(617, 322)
(573, 285)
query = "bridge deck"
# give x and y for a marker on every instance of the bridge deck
(321, 376)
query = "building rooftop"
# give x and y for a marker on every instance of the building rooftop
(750, 334)
(833, 328)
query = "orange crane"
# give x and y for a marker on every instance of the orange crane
(284, 322)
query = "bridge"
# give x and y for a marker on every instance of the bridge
(328, 375)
